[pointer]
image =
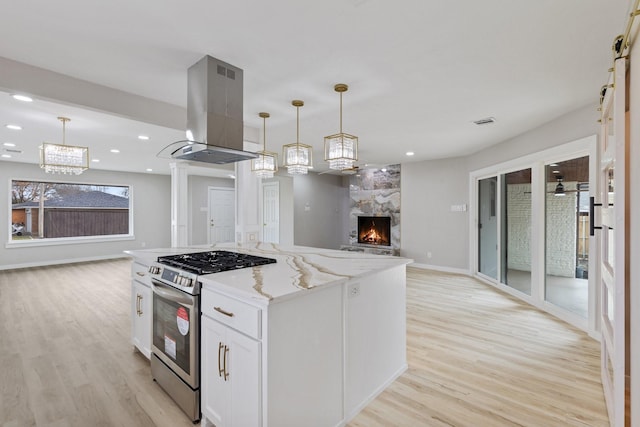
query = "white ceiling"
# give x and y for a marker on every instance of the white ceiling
(419, 71)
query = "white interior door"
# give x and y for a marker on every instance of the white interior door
(221, 220)
(612, 244)
(271, 212)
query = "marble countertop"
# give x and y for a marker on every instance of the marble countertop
(297, 269)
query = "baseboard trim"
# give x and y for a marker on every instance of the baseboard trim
(62, 261)
(440, 268)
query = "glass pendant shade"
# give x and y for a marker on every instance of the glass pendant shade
(64, 159)
(297, 158)
(341, 149)
(266, 164)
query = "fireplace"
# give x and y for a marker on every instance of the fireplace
(374, 230)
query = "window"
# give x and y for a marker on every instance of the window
(54, 210)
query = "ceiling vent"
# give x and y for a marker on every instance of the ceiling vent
(485, 121)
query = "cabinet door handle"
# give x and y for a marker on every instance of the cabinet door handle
(139, 273)
(138, 304)
(220, 370)
(220, 310)
(226, 353)
(141, 312)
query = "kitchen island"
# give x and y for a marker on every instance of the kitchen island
(309, 340)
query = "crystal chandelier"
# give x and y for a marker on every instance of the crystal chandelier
(61, 158)
(297, 157)
(341, 149)
(266, 164)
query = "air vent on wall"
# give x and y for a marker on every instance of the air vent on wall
(485, 121)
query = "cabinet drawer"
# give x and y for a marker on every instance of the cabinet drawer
(140, 273)
(232, 312)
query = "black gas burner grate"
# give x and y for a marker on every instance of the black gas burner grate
(213, 261)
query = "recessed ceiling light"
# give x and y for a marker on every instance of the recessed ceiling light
(553, 165)
(95, 160)
(14, 127)
(555, 171)
(410, 153)
(232, 176)
(149, 170)
(6, 156)
(143, 137)
(383, 170)
(114, 150)
(9, 144)
(23, 98)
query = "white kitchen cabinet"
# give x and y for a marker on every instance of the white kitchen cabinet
(230, 375)
(141, 306)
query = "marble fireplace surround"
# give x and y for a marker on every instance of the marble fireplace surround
(374, 192)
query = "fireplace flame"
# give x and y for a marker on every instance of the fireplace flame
(373, 236)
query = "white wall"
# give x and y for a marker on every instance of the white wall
(319, 214)
(151, 219)
(428, 189)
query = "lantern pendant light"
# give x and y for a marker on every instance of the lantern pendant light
(63, 158)
(297, 158)
(266, 164)
(341, 149)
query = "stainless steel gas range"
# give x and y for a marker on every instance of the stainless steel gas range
(175, 347)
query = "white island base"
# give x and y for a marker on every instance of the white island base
(308, 341)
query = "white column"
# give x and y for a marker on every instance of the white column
(248, 212)
(179, 207)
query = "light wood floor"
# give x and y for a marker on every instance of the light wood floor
(476, 357)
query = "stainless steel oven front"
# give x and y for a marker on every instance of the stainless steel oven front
(175, 347)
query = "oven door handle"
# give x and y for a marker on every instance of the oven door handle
(171, 294)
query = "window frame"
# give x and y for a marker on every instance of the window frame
(54, 241)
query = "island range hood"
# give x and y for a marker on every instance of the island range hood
(214, 115)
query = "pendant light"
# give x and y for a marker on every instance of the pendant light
(341, 149)
(62, 158)
(298, 158)
(266, 164)
(559, 191)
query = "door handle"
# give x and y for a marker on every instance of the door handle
(223, 311)
(226, 353)
(138, 298)
(220, 370)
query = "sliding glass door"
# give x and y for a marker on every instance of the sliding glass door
(515, 254)
(488, 227)
(532, 231)
(567, 230)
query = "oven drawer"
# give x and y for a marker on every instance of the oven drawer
(141, 273)
(232, 312)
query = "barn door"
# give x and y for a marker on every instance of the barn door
(611, 175)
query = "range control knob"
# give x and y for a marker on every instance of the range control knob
(154, 269)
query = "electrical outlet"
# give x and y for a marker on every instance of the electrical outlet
(354, 290)
(429, 255)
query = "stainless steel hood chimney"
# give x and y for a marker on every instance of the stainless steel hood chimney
(214, 115)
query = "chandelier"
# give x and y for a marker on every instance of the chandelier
(266, 164)
(341, 149)
(61, 158)
(298, 158)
